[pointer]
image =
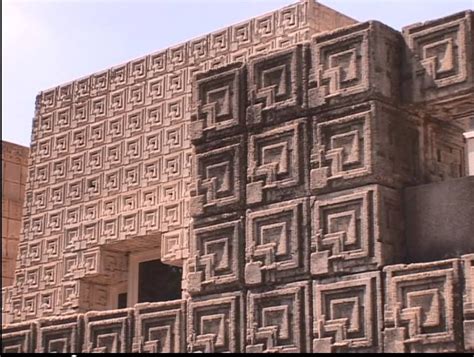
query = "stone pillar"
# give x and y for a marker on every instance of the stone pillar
(469, 135)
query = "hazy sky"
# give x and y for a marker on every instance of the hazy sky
(49, 42)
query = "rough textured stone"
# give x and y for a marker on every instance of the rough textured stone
(440, 74)
(347, 314)
(422, 311)
(108, 331)
(160, 327)
(276, 165)
(279, 319)
(216, 323)
(354, 62)
(19, 338)
(277, 242)
(356, 230)
(366, 143)
(59, 334)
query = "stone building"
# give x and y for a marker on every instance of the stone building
(14, 170)
(293, 183)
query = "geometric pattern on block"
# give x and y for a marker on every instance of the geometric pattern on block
(217, 180)
(468, 263)
(219, 101)
(359, 59)
(342, 65)
(59, 334)
(216, 323)
(215, 256)
(341, 149)
(279, 320)
(440, 56)
(108, 331)
(275, 84)
(277, 242)
(348, 314)
(18, 338)
(123, 132)
(361, 144)
(422, 307)
(355, 230)
(159, 327)
(277, 166)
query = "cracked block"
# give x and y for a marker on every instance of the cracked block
(348, 314)
(216, 323)
(439, 64)
(218, 179)
(278, 320)
(365, 143)
(422, 311)
(159, 327)
(356, 230)
(215, 257)
(219, 100)
(354, 62)
(277, 243)
(108, 331)
(59, 334)
(277, 168)
(276, 86)
(18, 338)
(468, 264)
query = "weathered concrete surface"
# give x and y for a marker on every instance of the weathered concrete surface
(14, 171)
(439, 220)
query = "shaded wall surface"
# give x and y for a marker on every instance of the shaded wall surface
(440, 220)
(269, 160)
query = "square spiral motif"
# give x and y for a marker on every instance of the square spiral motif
(218, 177)
(107, 331)
(275, 85)
(422, 307)
(341, 64)
(215, 257)
(59, 334)
(355, 230)
(278, 320)
(440, 56)
(277, 242)
(347, 314)
(218, 102)
(18, 338)
(215, 324)
(159, 327)
(277, 167)
(341, 149)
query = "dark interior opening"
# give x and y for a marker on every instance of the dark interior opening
(158, 282)
(122, 301)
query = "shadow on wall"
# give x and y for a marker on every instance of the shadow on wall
(439, 220)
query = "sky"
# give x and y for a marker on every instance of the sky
(46, 43)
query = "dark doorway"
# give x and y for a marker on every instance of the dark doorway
(158, 282)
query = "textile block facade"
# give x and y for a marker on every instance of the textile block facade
(264, 165)
(347, 315)
(422, 307)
